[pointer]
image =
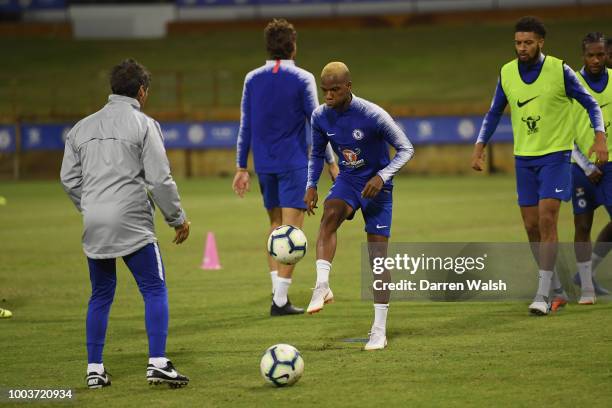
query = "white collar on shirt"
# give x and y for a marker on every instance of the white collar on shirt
(283, 61)
(126, 99)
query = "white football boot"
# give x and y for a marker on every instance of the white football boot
(321, 295)
(587, 298)
(539, 308)
(378, 339)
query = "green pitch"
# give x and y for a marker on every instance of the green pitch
(459, 354)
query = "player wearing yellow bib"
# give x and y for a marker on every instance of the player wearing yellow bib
(539, 90)
(592, 185)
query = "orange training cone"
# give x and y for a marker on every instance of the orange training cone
(211, 256)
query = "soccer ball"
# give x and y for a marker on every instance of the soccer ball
(287, 244)
(282, 365)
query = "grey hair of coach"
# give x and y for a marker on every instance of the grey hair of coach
(127, 78)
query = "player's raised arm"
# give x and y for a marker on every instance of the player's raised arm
(396, 137)
(157, 176)
(71, 173)
(574, 89)
(489, 124)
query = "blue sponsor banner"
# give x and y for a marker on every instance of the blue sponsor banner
(44, 136)
(7, 139)
(451, 129)
(10, 6)
(17, 5)
(212, 3)
(200, 135)
(293, 2)
(428, 130)
(46, 4)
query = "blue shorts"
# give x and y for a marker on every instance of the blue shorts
(586, 196)
(284, 190)
(548, 176)
(376, 211)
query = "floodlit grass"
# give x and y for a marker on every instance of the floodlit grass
(457, 354)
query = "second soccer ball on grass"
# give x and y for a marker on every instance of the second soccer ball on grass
(287, 244)
(282, 365)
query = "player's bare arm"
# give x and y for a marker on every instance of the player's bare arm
(182, 233)
(333, 170)
(310, 199)
(241, 183)
(372, 187)
(600, 148)
(478, 157)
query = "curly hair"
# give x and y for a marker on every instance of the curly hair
(530, 24)
(592, 38)
(280, 39)
(127, 78)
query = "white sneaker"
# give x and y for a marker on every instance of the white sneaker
(539, 308)
(587, 298)
(378, 340)
(321, 295)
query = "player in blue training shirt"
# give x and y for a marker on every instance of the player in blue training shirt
(591, 184)
(277, 101)
(359, 132)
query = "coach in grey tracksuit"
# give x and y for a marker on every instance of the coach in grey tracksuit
(114, 169)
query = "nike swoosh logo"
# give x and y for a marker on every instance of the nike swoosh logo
(381, 226)
(171, 374)
(521, 104)
(603, 106)
(557, 190)
(330, 134)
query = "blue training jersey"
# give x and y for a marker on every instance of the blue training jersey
(359, 137)
(277, 102)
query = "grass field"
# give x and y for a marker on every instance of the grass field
(457, 354)
(436, 66)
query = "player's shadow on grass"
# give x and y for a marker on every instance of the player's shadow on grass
(267, 388)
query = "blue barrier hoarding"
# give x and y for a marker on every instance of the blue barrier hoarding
(16, 6)
(451, 129)
(200, 135)
(7, 139)
(213, 3)
(44, 136)
(431, 130)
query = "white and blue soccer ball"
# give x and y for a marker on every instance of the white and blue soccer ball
(287, 244)
(282, 365)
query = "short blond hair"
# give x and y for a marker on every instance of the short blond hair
(337, 69)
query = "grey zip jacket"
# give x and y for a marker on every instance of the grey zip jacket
(114, 169)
